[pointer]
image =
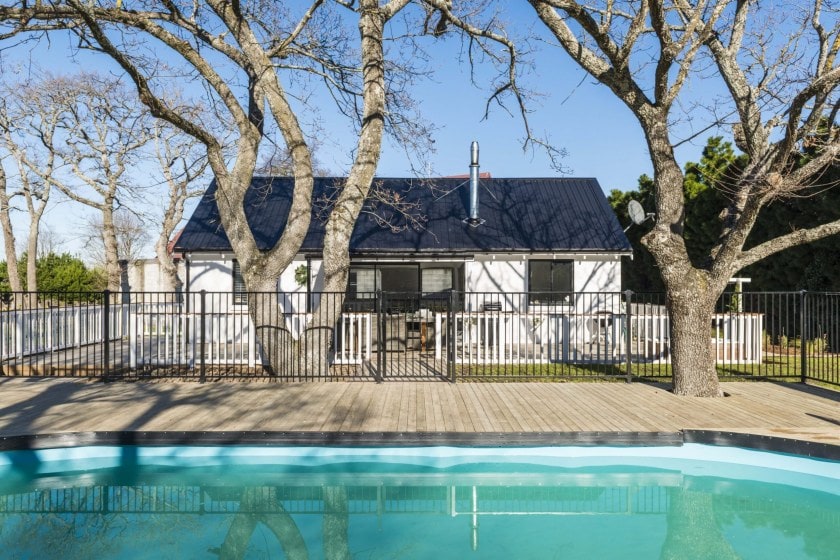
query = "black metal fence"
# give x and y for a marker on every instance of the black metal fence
(389, 335)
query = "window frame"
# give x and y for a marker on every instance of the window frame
(239, 291)
(553, 296)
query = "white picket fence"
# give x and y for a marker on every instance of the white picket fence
(29, 332)
(165, 334)
(599, 337)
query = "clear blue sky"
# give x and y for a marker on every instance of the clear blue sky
(599, 134)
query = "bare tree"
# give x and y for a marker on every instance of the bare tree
(130, 233)
(49, 241)
(29, 120)
(60, 122)
(776, 66)
(260, 44)
(96, 134)
(183, 164)
(8, 234)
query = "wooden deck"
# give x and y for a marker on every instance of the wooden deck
(57, 406)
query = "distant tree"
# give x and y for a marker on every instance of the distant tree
(66, 273)
(49, 241)
(183, 164)
(30, 113)
(6, 284)
(102, 129)
(58, 273)
(130, 234)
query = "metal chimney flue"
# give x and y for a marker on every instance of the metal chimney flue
(473, 219)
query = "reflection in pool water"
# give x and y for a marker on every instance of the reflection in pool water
(424, 503)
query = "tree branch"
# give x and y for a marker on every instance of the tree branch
(792, 239)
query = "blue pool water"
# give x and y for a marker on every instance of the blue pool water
(692, 501)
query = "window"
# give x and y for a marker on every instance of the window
(361, 283)
(240, 294)
(399, 278)
(550, 282)
(366, 279)
(435, 280)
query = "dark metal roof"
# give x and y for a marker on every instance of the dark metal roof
(520, 215)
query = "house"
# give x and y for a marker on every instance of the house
(520, 261)
(550, 237)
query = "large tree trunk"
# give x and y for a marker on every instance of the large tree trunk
(109, 242)
(312, 352)
(169, 271)
(32, 261)
(8, 236)
(691, 305)
(691, 293)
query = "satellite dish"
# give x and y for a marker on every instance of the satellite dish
(636, 212)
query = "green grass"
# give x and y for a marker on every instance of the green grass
(825, 369)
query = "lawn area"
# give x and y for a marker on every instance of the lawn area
(824, 369)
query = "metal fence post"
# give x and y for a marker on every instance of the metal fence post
(628, 299)
(202, 372)
(380, 336)
(106, 333)
(803, 324)
(450, 337)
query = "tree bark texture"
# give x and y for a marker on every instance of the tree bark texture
(691, 306)
(353, 194)
(110, 244)
(32, 259)
(8, 235)
(691, 291)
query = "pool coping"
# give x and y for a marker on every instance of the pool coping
(776, 444)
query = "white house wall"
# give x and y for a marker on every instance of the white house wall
(509, 274)
(288, 283)
(211, 274)
(597, 276)
(502, 274)
(146, 275)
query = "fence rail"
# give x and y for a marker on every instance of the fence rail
(783, 335)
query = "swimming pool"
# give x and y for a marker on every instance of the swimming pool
(417, 502)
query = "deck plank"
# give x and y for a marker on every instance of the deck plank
(37, 406)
